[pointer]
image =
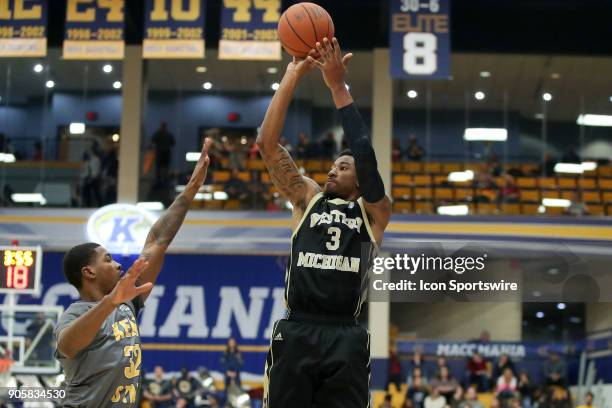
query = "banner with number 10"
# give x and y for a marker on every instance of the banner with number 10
(420, 39)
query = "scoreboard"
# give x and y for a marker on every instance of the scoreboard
(20, 269)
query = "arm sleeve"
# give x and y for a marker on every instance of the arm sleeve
(370, 182)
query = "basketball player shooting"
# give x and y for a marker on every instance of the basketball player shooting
(319, 355)
(97, 337)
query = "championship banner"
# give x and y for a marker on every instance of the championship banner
(420, 39)
(249, 30)
(94, 30)
(174, 29)
(23, 28)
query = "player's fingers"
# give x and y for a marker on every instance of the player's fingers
(347, 58)
(137, 268)
(337, 50)
(329, 49)
(314, 62)
(206, 146)
(320, 50)
(145, 287)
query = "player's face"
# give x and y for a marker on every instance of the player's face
(107, 271)
(342, 178)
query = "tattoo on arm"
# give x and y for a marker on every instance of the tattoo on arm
(164, 230)
(286, 176)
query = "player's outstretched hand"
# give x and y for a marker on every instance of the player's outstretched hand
(302, 66)
(332, 63)
(126, 289)
(199, 173)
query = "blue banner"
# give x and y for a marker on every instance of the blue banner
(94, 30)
(249, 30)
(174, 29)
(420, 39)
(23, 28)
(198, 302)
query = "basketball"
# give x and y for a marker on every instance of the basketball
(303, 25)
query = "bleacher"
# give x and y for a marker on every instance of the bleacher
(422, 187)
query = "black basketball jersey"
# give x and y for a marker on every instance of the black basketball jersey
(331, 251)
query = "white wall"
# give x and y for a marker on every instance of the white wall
(459, 321)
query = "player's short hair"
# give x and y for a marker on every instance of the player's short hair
(76, 259)
(345, 152)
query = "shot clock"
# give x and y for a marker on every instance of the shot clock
(20, 269)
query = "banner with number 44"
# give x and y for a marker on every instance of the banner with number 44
(420, 39)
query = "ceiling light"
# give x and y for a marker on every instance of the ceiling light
(117, 84)
(115, 137)
(272, 70)
(540, 315)
(575, 320)
(480, 95)
(571, 168)
(453, 210)
(561, 306)
(201, 69)
(594, 120)
(151, 205)
(192, 156)
(50, 84)
(547, 96)
(556, 202)
(29, 198)
(555, 75)
(610, 99)
(77, 128)
(275, 86)
(485, 74)
(207, 85)
(38, 68)
(108, 68)
(412, 94)
(539, 116)
(485, 134)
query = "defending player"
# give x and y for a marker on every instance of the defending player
(97, 336)
(319, 355)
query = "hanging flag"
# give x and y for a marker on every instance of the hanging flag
(94, 29)
(23, 28)
(174, 29)
(249, 30)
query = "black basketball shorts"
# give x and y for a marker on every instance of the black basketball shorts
(313, 364)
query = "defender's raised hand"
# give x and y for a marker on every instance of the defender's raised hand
(301, 66)
(126, 289)
(199, 173)
(332, 63)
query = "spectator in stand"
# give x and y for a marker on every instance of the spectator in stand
(329, 148)
(502, 363)
(478, 372)
(417, 361)
(408, 403)
(253, 150)
(235, 152)
(417, 372)
(303, 146)
(232, 364)
(158, 391)
(555, 370)
(417, 392)
(495, 403)
(577, 207)
(485, 337)
(506, 385)
(494, 165)
(525, 388)
(163, 142)
(588, 401)
(387, 402)
(440, 362)
(571, 156)
(258, 192)
(560, 398)
(396, 150)
(285, 143)
(414, 151)
(186, 387)
(457, 397)
(445, 383)
(547, 169)
(38, 152)
(509, 192)
(395, 370)
(435, 399)
(91, 180)
(471, 399)
(236, 188)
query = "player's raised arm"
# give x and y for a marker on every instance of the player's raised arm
(333, 65)
(165, 228)
(283, 171)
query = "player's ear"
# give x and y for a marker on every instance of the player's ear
(87, 272)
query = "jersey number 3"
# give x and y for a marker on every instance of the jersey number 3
(334, 242)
